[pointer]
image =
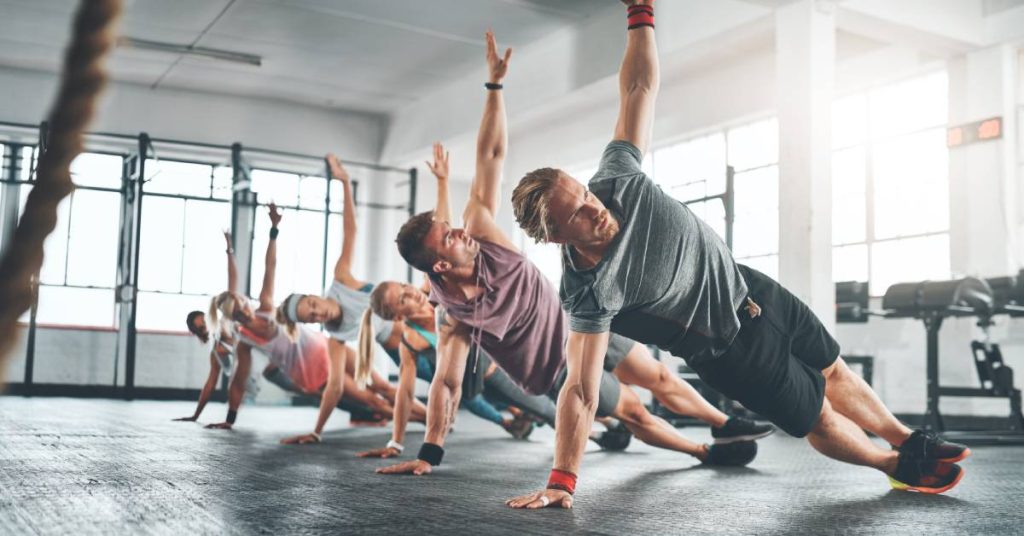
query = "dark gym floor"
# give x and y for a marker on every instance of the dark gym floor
(113, 467)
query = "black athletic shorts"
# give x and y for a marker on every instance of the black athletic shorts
(774, 365)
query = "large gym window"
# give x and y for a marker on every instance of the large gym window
(181, 258)
(890, 184)
(303, 263)
(80, 256)
(696, 169)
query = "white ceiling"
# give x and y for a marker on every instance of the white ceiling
(365, 55)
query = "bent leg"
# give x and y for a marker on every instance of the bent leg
(501, 386)
(839, 438)
(852, 397)
(651, 429)
(641, 369)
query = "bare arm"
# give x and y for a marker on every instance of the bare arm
(639, 80)
(232, 265)
(445, 390)
(343, 268)
(577, 406)
(406, 393)
(208, 387)
(236, 389)
(491, 148)
(329, 398)
(439, 167)
(270, 265)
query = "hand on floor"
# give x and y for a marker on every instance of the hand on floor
(186, 419)
(218, 426)
(542, 499)
(414, 467)
(303, 439)
(386, 452)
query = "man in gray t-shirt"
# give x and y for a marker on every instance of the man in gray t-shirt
(665, 279)
(639, 263)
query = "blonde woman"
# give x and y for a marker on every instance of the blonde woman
(341, 310)
(302, 354)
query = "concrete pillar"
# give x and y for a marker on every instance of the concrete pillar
(805, 73)
(986, 219)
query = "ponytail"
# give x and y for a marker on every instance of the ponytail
(364, 359)
(290, 328)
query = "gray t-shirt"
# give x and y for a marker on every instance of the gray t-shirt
(666, 280)
(353, 303)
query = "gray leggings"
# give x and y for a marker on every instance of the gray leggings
(501, 387)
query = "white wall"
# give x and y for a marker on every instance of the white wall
(203, 117)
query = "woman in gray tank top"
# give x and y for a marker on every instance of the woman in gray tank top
(341, 309)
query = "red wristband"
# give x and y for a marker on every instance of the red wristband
(639, 15)
(563, 480)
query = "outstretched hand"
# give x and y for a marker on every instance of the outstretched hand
(386, 452)
(497, 66)
(227, 237)
(275, 215)
(338, 171)
(542, 499)
(414, 467)
(302, 439)
(439, 167)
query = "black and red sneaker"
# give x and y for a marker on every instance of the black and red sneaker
(925, 476)
(924, 445)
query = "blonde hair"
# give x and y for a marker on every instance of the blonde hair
(378, 306)
(530, 203)
(221, 303)
(291, 329)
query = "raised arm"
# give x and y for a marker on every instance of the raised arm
(232, 265)
(577, 406)
(491, 148)
(638, 80)
(236, 388)
(492, 140)
(343, 268)
(444, 395)
(270, 262)
(439, 167)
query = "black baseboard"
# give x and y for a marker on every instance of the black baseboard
(106, 391)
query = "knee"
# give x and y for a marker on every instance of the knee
(826, 419)
(634, 413)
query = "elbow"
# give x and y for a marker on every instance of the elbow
(581, 396)
(646, 88)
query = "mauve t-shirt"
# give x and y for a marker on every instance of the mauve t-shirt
(517, 319)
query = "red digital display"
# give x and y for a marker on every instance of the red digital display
(988, 129)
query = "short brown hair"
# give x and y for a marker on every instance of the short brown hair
(530, 203)
(411, 238)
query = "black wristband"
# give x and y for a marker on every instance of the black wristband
(273, 233)
(232, 415)
(431, 453)
(492, 86)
